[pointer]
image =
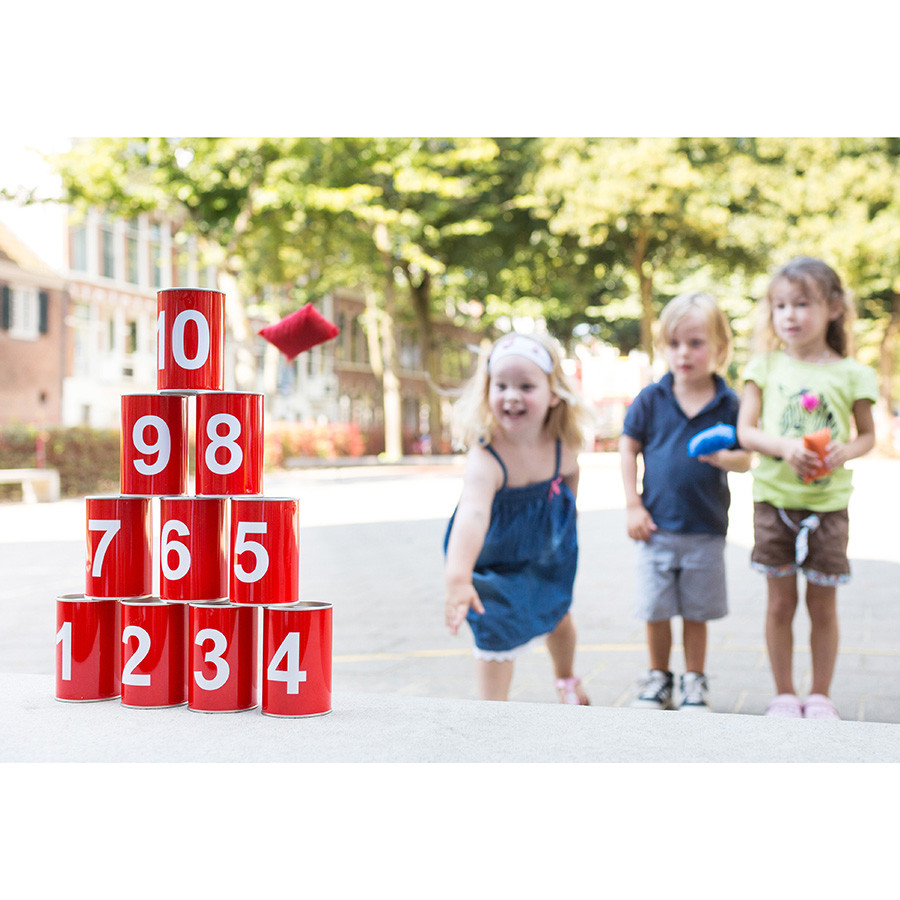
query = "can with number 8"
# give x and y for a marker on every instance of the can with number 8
(190, 340)
(265, 550)
(223, 647)
(119, 560)
(154, 444)
(297, 660)
(229, 443)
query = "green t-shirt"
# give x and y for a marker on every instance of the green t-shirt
(801, 398)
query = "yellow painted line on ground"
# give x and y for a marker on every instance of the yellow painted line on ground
(585, 648)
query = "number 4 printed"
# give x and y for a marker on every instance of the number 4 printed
(292, 675)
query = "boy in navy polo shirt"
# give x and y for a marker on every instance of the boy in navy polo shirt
(680, 517)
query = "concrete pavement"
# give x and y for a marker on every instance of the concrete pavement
(404, 688)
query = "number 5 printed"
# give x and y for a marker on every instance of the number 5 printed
(242, 545)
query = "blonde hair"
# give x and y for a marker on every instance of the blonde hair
(817, 281)
(705, 307)
(474, 423)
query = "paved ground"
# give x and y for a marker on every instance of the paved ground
(371, 544)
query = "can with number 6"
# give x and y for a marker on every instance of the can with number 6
(190, 340)
(297, 660)
(265, 550)
(154, 656)
(88, 651)
(223, 647)
(192, 549)
(229, 443)
(119, 560)
(154, 444)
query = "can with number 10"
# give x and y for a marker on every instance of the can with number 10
(190, 340)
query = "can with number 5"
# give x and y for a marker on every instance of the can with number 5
(265, 550)
(190, 340)
(229, 443)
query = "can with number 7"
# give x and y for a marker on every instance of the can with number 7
(119, 561)
(265, 550)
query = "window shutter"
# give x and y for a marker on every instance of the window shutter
(43, 312)
(4, 320)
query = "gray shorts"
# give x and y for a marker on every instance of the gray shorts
(681, 575)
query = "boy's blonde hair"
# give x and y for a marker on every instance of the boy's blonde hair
(474, 423)
(705, 307)
(817, 281)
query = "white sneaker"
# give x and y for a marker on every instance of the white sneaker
(656, 692)
(694, 693)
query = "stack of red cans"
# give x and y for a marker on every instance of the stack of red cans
(187, 630)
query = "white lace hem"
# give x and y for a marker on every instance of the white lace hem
(504, 655)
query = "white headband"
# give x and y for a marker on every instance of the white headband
(517, 345)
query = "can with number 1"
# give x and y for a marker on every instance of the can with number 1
(88, 657)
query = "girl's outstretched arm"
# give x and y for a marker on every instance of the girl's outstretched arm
(481, 481)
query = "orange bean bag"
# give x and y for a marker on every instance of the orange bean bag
(818, 441)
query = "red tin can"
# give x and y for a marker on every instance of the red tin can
(230, 451)
(88, 652)
(223, 644)
(190, 340)
(154, 656)
(297, 660)
(265, 550)
(154, 444)
(119, 540)
(193, 541)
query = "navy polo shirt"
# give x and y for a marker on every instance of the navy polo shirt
(681, 493)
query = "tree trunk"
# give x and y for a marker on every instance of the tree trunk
(393, 421)
(885, 404)
(646, 287)
(235, 315)
(431, 359)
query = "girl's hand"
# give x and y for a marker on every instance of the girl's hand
(639, 523)
(836, 454)
(460, 598)
(803, 461)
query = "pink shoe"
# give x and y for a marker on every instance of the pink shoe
(785, 706)
(818, 706)
(571, 692)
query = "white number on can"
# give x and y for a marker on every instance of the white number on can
(292, 675)
(214, 656)
(227, 440)
(162, 445)
(109, 527)
(136, 658)
(64, 637)
(178, 328)
(242, 545)
(177, 547)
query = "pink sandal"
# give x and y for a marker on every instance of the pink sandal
(818, 706)
(571, 693)
(785, 706)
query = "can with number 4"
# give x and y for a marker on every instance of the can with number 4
(265, 550)
(297, 660)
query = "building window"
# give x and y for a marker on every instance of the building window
(24, 312)
(132, 271)
(78, 248)
(132, 344)
(107, 250)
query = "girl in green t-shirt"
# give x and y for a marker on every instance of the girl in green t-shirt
(802, 383)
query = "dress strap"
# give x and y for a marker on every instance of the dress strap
(496, 456)
(558, 457)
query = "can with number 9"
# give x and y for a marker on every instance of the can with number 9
(154, 444)
(229, 443)
(190, 340)
(265, 550)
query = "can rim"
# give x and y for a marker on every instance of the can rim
(301, 606)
